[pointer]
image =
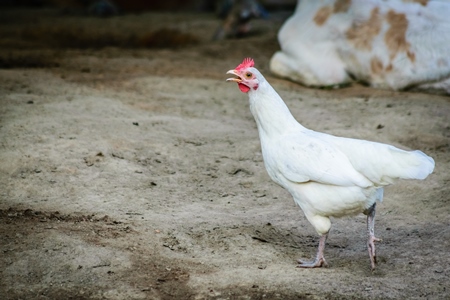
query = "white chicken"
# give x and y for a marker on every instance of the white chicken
(327, 176)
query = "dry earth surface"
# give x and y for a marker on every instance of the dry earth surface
(130, 171)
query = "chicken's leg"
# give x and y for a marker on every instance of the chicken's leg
(320, 259)
(372, 239)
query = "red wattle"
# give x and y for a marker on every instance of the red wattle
(243, 88)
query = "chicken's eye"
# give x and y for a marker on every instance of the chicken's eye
(248, 75)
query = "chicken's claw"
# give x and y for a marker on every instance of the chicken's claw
(371, 248)
(317, 263)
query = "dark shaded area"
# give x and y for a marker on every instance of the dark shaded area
(13, 59)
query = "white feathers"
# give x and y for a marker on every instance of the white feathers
(303, 157)
(380, 163)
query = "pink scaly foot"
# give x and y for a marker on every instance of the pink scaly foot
(320, 259)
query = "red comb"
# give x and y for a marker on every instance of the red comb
(246, 63)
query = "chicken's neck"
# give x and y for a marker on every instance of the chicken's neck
(271, 114)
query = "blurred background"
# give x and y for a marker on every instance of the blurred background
(38, 33)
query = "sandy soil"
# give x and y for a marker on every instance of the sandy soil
(136, 173)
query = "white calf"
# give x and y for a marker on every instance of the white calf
(389, 44)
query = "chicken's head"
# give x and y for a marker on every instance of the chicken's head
(246, 76)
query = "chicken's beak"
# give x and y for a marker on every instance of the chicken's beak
(234, 72)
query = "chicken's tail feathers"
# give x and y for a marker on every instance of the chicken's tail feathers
(425, 165)
(413, 165)
(383, 164)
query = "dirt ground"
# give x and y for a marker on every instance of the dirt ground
(134, 171)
